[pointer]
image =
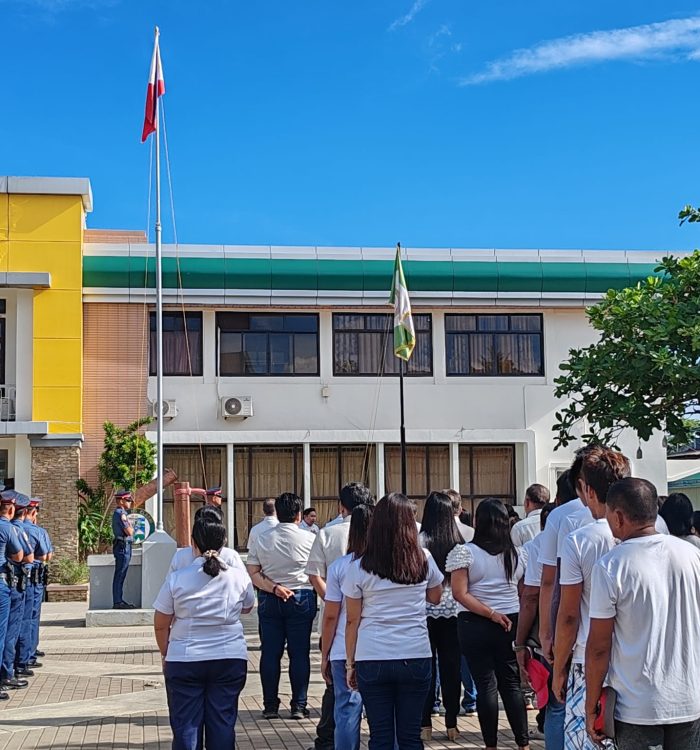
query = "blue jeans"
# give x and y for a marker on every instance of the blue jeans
(393, 692)
(24, 648)
(287, 623)
(122, 558)
(203, 702)
(469, 698)
(348, 710)
(14, 623)
(553, 716)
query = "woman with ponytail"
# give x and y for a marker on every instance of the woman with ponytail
(200, 637)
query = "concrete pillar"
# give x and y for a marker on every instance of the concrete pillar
(454, 466)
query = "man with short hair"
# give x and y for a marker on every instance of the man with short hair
(308, 520)
(123, 533)
(644, 638)
(40, 572)
(581, 549)
(269, 521)
(286, 605)
(536, 497)
(13, 545)
(330, 544)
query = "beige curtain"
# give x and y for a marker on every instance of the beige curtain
(422, 475)
(491, 473)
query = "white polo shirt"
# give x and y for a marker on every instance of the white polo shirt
(527, 529)
(185, 556)
(533, 567)
(650, 585)
(549, 551)
(207, 612)
(330, 544)
(282, 554)
(334, 593)
(262, 527)
(465, 531)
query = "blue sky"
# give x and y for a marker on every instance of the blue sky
(439, 123)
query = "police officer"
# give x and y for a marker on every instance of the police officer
(214, 496)
(41, 572)
(30, 570)
(123, 534)
(10, 549)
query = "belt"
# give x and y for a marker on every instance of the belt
(122, 539)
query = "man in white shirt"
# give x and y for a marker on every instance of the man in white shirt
(286, 605)
(308, 520)
(581, 549)
(268, 522)
(330, 544)
(536, 497)
(644, 639)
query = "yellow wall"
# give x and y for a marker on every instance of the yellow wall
(43, 233)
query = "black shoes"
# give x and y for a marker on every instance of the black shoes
(24, 672)
(40, 654)
(35, 664)
(124, 605)
(4, 696)
(271, 713)
(298, 713)
(12, 683)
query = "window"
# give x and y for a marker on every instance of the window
(262, 471)
(494, 345)
(486, 471)
(182, 343)
(364, 345)
(267, 344)
(427, 469)
(333, 466)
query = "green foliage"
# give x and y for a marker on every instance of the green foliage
(69, 572)
(643, 371)
(129, 458)
(693, 427)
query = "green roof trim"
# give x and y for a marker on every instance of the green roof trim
(361, 275)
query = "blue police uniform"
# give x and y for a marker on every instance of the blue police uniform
(17, 596)
(40, 589)
(24, 649)
(122, 554)
(40, 550)
(9, 545)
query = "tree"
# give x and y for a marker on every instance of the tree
(643, 372)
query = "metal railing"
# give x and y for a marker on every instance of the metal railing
(7, 403)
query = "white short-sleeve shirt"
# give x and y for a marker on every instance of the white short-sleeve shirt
(282, 554)
(527, 529)
(582, 549)
(207, 612)
(262, 527)
(334, 593)
(330, 544)
(185, 556)
(533, 567)
(550, 534)
(487, 577)
(650, 585)
(393, 623)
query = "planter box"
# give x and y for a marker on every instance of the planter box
(57, 592)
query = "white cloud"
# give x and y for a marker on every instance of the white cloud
(678, 37)
(414, 10)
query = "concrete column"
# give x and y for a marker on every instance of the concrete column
(230, 495)
(454, 466)
(380, 470)
(307, 474)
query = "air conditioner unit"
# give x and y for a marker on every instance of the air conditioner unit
(233, 407)
(169, 409)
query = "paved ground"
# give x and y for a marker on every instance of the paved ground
(103, 688)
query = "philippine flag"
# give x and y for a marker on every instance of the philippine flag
(156, 88)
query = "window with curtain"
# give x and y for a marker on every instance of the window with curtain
(428, 469)
(267, 344)
(182, 343)
(333, 466)
(494, 345)
(363, 344)
(260, 472)
(486, 471)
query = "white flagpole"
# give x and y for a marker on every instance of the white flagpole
(159, 322)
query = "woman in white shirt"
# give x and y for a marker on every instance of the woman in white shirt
(388, 656)
(347, 711)
(485, 575)
(677, 512)
(200, 638)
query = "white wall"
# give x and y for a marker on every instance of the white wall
(365, 409)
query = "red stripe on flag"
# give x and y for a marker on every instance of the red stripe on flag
(156, 88)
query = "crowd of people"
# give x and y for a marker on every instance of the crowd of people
(25, 551)
(588, 609)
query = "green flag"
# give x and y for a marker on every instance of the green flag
(404, 332)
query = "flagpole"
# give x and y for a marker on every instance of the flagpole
(159, 329)
(404, 483)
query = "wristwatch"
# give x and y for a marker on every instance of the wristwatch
(517, 648)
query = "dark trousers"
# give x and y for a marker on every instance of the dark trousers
(5, 606)
(393, 693)
(446, 654)
(286, 623)
(36, 616)
(325, 730)
(685, 736)
(14, 623)
(122, 558)
(24, 649)
(203, 702)
(488, 649)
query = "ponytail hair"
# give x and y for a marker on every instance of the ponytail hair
(209, 538)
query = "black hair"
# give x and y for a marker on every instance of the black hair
(439, 530)
(359, 525)
(307, 511)
(677, 511)
(635, 498)
(601, 467)
(288, 506)
(696, 521)
(268, 506)
(209, 537)
(354, 494)
(492, 533)
(577, 465)
(548, 508)
(537, 494)
(465, 517)
(565, 491)
(211, 513)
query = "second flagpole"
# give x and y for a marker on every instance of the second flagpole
(404, 468)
